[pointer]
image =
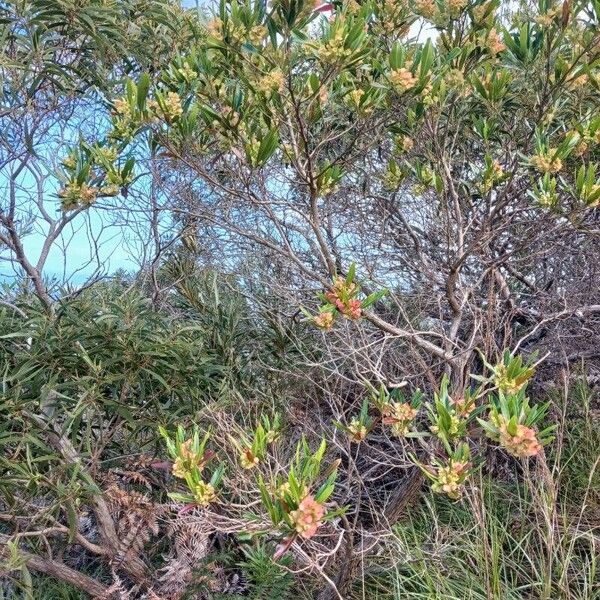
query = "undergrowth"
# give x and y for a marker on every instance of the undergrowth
(523, 539)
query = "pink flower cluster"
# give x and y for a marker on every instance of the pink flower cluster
(523, 444)
(341, 297)
(308, 517)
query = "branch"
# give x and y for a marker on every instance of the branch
(415, 337)
(580, 311)
(104, 520)
(56, 569)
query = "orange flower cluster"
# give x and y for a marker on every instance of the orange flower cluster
(494, 43)
(324, 320)
(402, 79)
(425, 8)
(547, 163)
(523, 444)
(308, 517)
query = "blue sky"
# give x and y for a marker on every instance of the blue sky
(113, 254)
(69, 258)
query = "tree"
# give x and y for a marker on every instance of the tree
(458, 171)
(59, 62)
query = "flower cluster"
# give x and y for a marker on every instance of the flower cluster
(342, 299)
(356, 96)
(464, 405)
(449, 417)
(511, 374)
(122, 107)
(426, 8)
(493, 43)
(271, 82)
(187, 72)
(454, 78)
(292, 502)
(455, 7)
(450, 479)
(248, 460)
(497, 169)
(396, 410)
(405, 143)
(307, 517)
(357, 430)
(285, 489)
(334, 50)
(134, 110)
(449, 476)
(185, 460)
(548, 159)
(393, 18)
(235, 33)
(171, 106)
(204, 493)
(394, 175)
(402, 79)
(92, 171)
(76, 194)
(547, 162)
(451, 430)
(324, 320)
(253, 451)
(257, 34)
(360, 425)
(512, 421)
(190, 458)
(400, 416)
(492, 174)
(214, 28)
(519, 440)
(544, 192)
(546, 19)
(361, 101)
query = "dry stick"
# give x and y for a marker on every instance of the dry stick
(394, 510)
(15, 244)
(55, 529)
(56, 569)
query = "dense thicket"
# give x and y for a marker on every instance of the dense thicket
(358, 354)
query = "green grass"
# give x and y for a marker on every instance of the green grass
(42, 588)
(492, 547)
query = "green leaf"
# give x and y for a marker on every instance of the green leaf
(267, 147)
(351, 274)
(397, 56)
(142, 90)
